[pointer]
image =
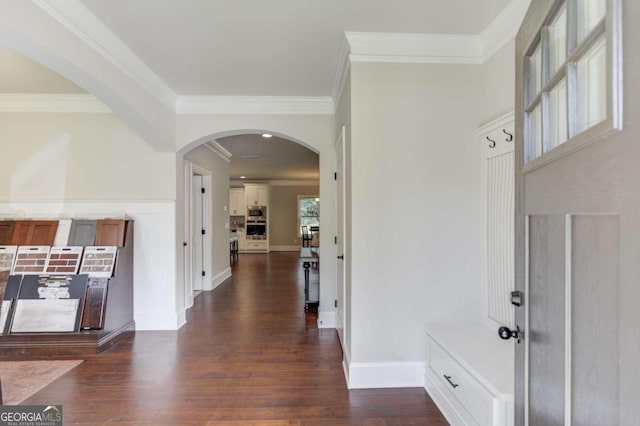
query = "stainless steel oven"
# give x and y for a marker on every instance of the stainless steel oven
(256, 230)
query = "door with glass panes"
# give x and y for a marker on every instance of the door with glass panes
(578, 214)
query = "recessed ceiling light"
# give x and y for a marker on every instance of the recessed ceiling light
(266, 135)
(243, 177)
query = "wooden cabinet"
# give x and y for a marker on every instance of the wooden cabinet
(34, 232)
(237, 206)
(110, 232)
(256, 195)
(6, 232)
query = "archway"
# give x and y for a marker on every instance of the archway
(326, 155)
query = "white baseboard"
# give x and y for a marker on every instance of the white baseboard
(159, 321)
(365, 375)
(327, 319)
(219, 279)
(346, 360)
(284, 248)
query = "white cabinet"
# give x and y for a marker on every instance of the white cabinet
(256, 245)
(469, 374)
(237, 206)
(256, 195)
(242, 241)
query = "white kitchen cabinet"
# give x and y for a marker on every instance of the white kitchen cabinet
(256, 245)
(237, 206)
(256, 195)
(469, 374)
(242, 241)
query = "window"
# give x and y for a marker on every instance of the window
(572, 88)
(308, 211)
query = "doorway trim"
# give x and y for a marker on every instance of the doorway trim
(192, 169)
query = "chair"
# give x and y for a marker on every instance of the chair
(306, 236)
(315, 236)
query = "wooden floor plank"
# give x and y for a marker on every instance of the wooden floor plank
(248, 355)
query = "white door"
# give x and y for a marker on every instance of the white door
(577, 215)
(340, 221)
(198, 232)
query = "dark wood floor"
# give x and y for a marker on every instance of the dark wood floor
(247, 356)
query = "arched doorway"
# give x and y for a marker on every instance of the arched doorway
(214, 158)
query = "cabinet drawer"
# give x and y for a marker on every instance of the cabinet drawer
(256, 245)
(477, 400)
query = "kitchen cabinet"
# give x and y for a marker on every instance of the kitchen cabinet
(256, 195)
(256, 245)
(242, 241)
(237, 206)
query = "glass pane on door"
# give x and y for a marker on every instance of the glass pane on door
(557, 116)
(590, 13)
(534, 139)
(535, 74)
(592, 86)
(558, 41)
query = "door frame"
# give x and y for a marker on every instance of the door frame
(341, 322)
(190, 170)
(187, 269)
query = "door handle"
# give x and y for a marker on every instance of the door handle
(184, 244)
(341, 257)
(505, 333)
(448, 378)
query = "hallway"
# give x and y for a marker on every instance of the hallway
(247, 356)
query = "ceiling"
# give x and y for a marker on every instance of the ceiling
(252, 48)
(270, 48)
(275, 158)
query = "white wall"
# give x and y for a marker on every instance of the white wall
(414, 205)
(316, 132)
(498, 84)
(79, 157)
(219, 192)
(94, 165)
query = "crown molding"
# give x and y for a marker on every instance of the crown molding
(414, 48)
(294, 182)
(503, 28)
(75, 17)
(276, 182)
(294, 105)
(219, 150)
(340, 76)
(438, 48)
(55, 103)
